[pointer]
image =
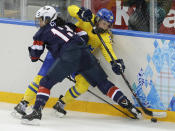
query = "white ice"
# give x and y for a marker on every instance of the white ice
(78, 121)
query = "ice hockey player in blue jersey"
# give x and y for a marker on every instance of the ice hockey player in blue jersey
(71, 55)
(31, 91)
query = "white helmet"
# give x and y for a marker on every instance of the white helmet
(47, 13)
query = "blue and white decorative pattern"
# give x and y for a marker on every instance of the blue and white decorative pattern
(162, 87)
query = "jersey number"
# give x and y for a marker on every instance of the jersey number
(61, 35)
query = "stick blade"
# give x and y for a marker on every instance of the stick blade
(160, 114)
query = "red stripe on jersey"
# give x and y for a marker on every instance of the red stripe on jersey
(42, 89)
(40, 43)
(78, 30)
(34, 58)
(36, 42)
(111, 91)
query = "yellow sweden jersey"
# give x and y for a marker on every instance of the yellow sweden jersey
(94, 42)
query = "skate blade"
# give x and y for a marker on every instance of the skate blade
(58, 114)
(35, 122)
(16, 115)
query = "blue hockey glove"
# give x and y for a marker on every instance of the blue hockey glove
(118, 66)
(85, 14)
(33, 59)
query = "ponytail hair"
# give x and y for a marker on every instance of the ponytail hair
(60, 22)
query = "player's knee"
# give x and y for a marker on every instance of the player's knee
(81, 86)
(37, 79)
(47, 82)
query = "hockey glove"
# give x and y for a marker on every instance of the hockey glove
(33, 59)
(85, 14)
(118, 66)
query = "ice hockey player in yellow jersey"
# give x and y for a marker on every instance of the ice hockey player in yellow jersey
(103, 21)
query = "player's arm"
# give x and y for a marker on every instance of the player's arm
(83, 34)
(73, 10)
(108, 41)
(117, 65)
(77, 13)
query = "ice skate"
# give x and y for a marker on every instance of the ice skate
(33, 118)
(136, 112)
(131, 108)
(59, 108)
(20, 109)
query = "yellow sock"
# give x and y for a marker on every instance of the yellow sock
(32, 89)
(80, 87)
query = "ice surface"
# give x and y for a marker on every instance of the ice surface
(78, 121)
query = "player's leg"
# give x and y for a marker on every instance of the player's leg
(30, 94)
(75, 57)
(66, 64)
(57, 72)
(31, 91)
(113, 92)
(80, 87)
(97, 76)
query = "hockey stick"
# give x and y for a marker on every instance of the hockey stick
(104, 100)
(145, 110)
(41, 60)
(111, 105)
(148, 112)
(68, 77)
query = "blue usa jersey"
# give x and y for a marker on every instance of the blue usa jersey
(53, 38)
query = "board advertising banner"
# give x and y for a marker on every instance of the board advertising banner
(122, 14)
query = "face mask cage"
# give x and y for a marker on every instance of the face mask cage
(98, 29)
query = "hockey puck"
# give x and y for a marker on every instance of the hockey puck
(153, 120)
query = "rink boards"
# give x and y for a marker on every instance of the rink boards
(149, 61)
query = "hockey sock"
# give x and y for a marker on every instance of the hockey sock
(42, 97)
(70, 95)
(116, 95)
(32, 89)
(80, 87)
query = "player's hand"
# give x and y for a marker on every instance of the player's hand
(120, 61)
(33, 59)
(85, 14)
(118, 66)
